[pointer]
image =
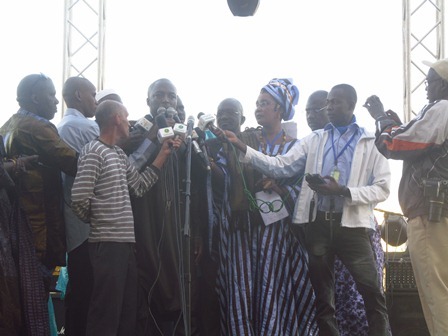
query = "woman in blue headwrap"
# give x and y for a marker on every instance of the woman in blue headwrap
(263, 282)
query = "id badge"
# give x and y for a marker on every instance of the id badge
(335, 174)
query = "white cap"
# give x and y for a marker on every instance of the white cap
(103, 93)
(440, 66)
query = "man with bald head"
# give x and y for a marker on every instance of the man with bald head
(77, 130)
(316, 110)
(159, 219)
(101, 196)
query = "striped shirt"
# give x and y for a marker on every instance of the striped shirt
(100, 193)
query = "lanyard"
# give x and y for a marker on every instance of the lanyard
(270, 144)
(336, 157)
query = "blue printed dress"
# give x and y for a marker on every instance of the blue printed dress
(263, 282)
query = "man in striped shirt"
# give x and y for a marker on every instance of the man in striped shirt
(101, 195)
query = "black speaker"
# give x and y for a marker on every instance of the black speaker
(243, 7)
(405, 314)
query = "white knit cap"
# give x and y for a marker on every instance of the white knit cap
(103, 93)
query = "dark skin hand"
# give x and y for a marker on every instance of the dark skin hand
(21, 165)
(375, 107)
(269, 184)
(330, 188)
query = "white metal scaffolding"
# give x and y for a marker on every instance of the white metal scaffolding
(423, 39)
(84, 40)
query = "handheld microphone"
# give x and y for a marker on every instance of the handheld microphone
(164, 132)
(201, 154)
(180, 130)
(143, 124)
(172, 113)
(206, 123)
(161, 110)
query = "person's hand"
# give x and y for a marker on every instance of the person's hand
(22, 163)
(331, 187)
(269, 184)
(168, 146)
(375, 107)
(230, 137)
(392, 115)
(27, 161)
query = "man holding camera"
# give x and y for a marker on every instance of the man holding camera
(422, 144)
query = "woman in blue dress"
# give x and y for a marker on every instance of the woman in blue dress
(263, 281)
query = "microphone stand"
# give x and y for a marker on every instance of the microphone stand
(187, 235)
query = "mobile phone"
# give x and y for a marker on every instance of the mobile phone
(314, 179)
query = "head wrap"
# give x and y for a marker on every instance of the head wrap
(285, 93)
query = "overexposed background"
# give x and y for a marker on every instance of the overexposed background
(210, 55)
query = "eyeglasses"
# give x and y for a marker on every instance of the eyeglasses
(316, 110)
(262, 103)
(432, 81)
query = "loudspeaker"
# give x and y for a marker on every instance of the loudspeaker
(243, 7)
(405, 314)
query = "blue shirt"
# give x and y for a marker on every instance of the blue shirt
(338, 153)
(76, 130)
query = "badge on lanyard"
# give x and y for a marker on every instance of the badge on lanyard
(335, 174)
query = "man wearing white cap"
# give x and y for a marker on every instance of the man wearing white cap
(422, 144)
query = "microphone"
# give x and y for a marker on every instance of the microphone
(172, 113)
(164, 132)
(206, 123)
(180, 130)
(200, 153)
(161, 110)
(190, 125)
(143, 124)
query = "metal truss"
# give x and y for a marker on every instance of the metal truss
(423, 39)
(84, 40)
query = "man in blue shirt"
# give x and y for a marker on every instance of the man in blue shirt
(76, 129)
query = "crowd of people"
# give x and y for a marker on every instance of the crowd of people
(229, 232)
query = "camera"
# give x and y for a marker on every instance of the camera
(314, 179)
(434, 190)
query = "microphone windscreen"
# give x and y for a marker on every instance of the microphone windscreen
(161, 110)
(161, 121)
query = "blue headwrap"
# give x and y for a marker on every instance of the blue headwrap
(285, 93)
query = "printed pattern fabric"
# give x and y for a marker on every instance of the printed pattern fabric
(350, 310)
(263, 282)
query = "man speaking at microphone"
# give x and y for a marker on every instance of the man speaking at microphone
(159, 221)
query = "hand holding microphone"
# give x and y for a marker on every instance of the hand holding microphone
(206, 122)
